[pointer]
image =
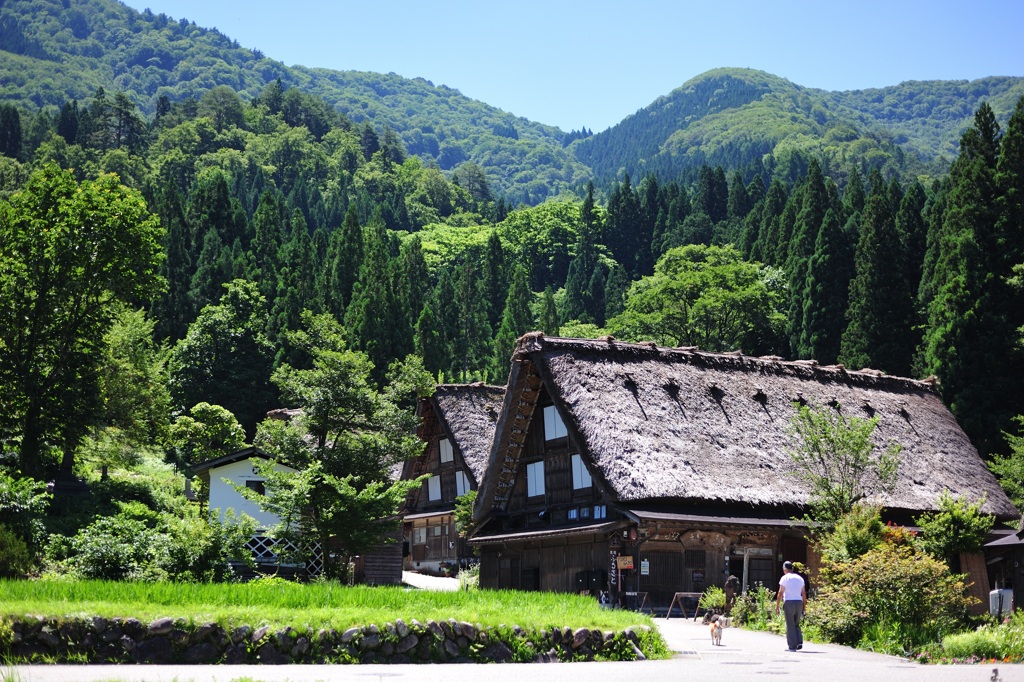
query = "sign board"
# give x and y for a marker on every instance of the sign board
(625, 563)
(613, 572)
(645, 567)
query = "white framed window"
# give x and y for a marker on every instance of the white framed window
(535, 479)
(446, 450)
(573, 514)
(419, 535)
(580, 474)
(585, 512)
(434, 488)
(554, 427)
(461, 483)
(600, 511)
(435, 531)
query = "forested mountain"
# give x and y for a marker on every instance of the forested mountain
(52, 51)
(753, 121)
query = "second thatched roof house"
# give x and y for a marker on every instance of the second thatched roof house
(642, 470)
(457, 423)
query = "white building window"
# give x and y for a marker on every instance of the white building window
(573, 514)
(535, 479)
(419, 536)
(461, 483)
(580, 475)
(600, 511)
(434, 488)
(554, 427)
(259, 487)
(446, 451)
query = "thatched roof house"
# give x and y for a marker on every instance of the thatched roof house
(457, 423)
(681, 424)
(467, 414)
(700, 440)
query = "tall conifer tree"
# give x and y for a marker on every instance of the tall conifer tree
(373, 318)
(515, 321)
(437, 328)
(495, 281)
(826, 293)
(881, 308)
(971, 339)
(801, 247)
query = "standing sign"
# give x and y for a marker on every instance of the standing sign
(613, 570)
(625, 563)
(645, 567)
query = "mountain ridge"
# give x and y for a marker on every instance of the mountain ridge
(52, 51)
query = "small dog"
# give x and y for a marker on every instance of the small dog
(716, 631)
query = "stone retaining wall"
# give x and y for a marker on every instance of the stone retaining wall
(165, 640)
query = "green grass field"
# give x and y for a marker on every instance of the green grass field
(313, 606)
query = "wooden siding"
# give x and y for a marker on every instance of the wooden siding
(381, 566)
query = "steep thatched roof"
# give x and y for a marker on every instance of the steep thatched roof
(663, 424)
(469, 413)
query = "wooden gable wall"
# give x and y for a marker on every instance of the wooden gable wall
(432, 430)
(560, 499)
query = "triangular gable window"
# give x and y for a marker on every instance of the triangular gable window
(434, 488)
(580, 474)
(461, 483)
(446, 450)
(554, 427)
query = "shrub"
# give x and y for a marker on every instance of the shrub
(854, 534)
(112, 548)
(469, 577)
(756, 610)
(862, 600)
(15, 560)
(22, 505)
(713, 599)
(1003, 641)
(982, 643)
(199, 550)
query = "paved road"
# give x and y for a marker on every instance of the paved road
(743, 656)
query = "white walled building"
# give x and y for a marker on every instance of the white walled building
(237, 469)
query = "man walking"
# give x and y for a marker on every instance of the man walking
(792, 599)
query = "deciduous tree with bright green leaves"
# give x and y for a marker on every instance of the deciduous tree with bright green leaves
(958, 527)
(836, 455)
(706, 296)
(69, 253)
(344, 444)
(206, 432)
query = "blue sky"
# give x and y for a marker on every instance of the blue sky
(590, 64)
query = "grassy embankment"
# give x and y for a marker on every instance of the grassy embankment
(313, 606)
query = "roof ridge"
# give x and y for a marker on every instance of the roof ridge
(538, 341)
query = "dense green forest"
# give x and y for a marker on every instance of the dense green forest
(52, 51)
(192, 235)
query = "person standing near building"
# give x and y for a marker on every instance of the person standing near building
(792, 600)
